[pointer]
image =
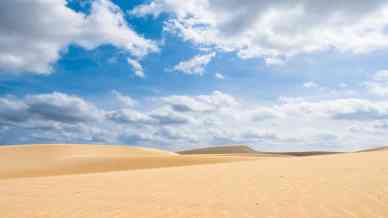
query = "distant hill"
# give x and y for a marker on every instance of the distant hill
(303, 153)
(373, 149)
(232, 149)
(244, 149)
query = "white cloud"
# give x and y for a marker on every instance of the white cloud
(378, 89)
(129, 116)
(378, 85)
(34, 34)
(310, 85)
(165, 116)
(123, 100)
(136, 67)
(202, 103)
(343, 85)
(52, 117)
(259, 135)
(190, 121)
(338, 109)
(265, 113)
(275, 30)
(219, 76)
(12, 110)
(274, 61)
(62, 108)
(195, 65)
(381, 76)
(381, 125)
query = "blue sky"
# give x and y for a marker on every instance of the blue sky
(182, 74)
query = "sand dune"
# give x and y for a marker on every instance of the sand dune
(246, 150)
(49, 160)
(232, 149)
(344, 186)
(374, 149)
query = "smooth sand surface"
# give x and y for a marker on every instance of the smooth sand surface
(50, 160)
(343, 185)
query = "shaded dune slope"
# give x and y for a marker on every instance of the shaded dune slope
(374, 149)
(235, 149)
(246, 150)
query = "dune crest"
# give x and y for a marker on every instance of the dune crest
(374, 149)
(246, 150)
(230, 149)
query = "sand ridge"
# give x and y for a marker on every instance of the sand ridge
(246, 150)
(63, 159)
(230, 149)
(57, 159)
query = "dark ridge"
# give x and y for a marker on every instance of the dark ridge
(243, 149)
(373, 149)
(303, 153)
(233, 149)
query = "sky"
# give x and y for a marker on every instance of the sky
(180, 74)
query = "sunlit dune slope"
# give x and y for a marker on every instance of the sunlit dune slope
(58, 151)
(352, 185)
(46, 160)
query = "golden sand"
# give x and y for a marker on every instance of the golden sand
(343, 185)
(51, 160)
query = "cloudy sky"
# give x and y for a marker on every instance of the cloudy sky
(177, 74)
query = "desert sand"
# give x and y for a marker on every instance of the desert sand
(338, 185)
(50, 160)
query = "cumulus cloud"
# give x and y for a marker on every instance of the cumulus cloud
(258, 135)
(167, 117)
(124, 100)
(50, 107)
(61, 107)
(201, 103)
(275, 30)
(265, 113)
(136, 67)
(378, 85)
(274, 61)
(54, 117)
(363, 112)
(138, 138)
(219, 76)
(377, 89)
(310, 84)
(195, 65)
(179, 134)
(381, 124)
(381, 75)
(189, 121)
(129, 116)
(12, 110)
(343, 85)
(339, 109)
(34, 34)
